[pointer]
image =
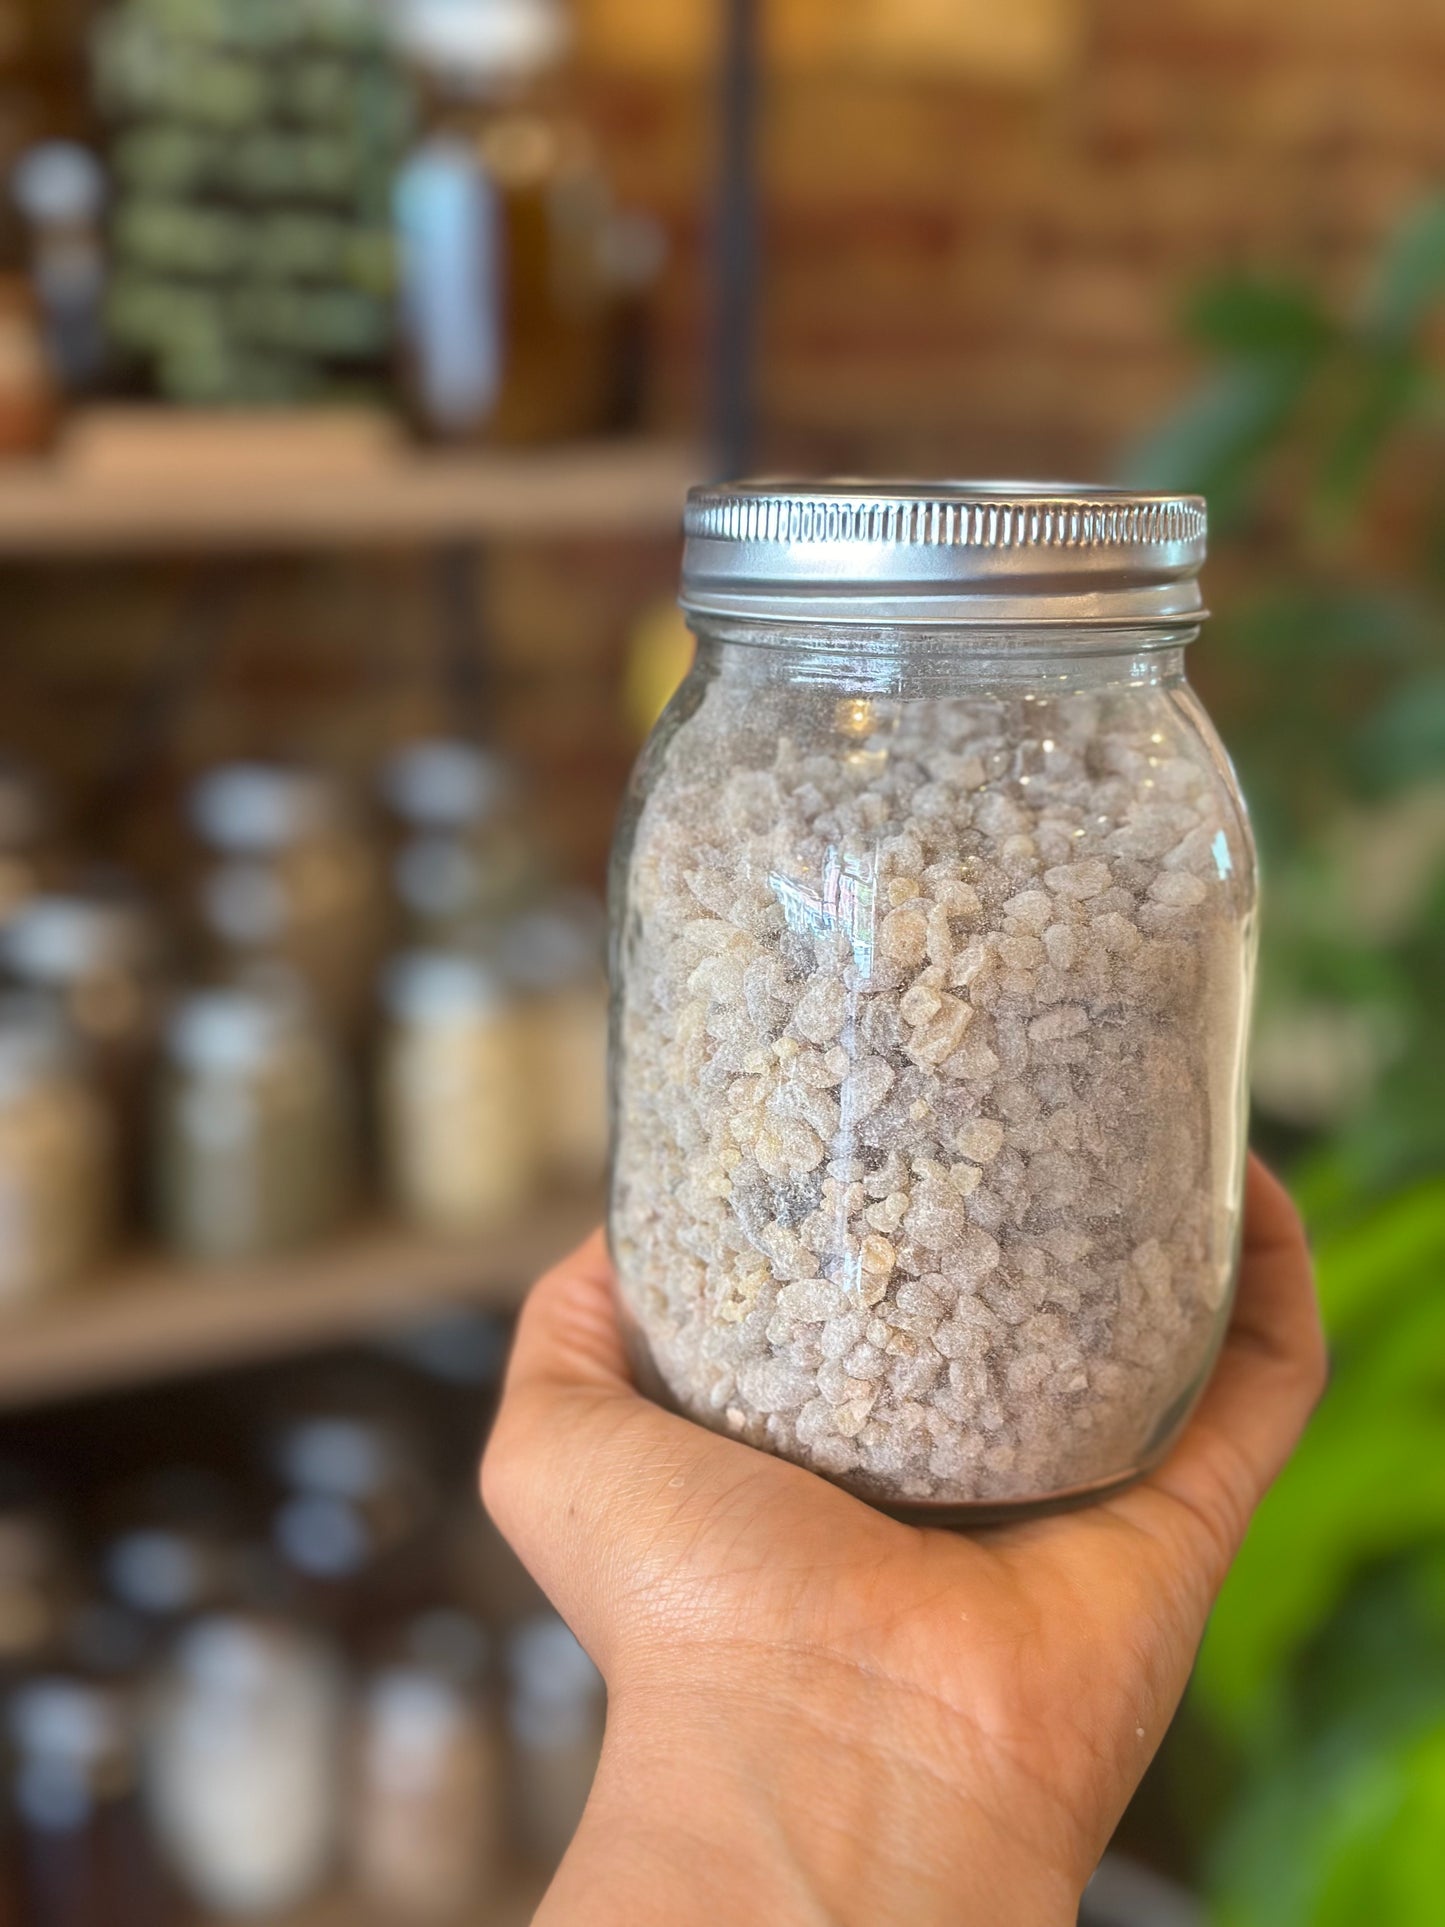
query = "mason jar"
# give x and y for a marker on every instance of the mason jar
(553, 956)
(253, 1147)
(95, 956)
(458, 1105)
(244, 1761)
(351, 1517)
(289, 882)
(463, 861)
(556, 1708)
(426, 1790)
(934, 933)
(73, 1815)
(57, 1157)
(27, 828)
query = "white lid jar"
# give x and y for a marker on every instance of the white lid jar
(458, 1118)
(553, 956)
(427, 1794)
(254, 1136)
(57, 1157)
(289, 880)
(97, 956)
(934, 929)
(462, 859)
(555, 1712)
(77, 1844)
(244, 1764)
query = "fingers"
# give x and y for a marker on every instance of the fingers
(566, 1379)
(567, 1335)
(1270, 1376)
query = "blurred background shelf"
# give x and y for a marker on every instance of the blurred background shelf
(151, 1319)
(513, 1908)
(139, 481)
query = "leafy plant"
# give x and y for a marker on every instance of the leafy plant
(1319, 437)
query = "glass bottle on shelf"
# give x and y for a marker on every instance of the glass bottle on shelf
(290, 879)
(96, 955)
(37, 1580)
(553, 956)
(427, 1779)
(171, 1551)
(351, 1516)
(57, 1164)
(254, 1132)
(26, 832)
(463, 858)
(458, 1122)
(555, 1715)
(81, 1841)
(244, 1764)
(503, 215)
(60, 188)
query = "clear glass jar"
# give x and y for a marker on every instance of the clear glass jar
(458, 1112)
(554, 957)
(291, 882)
(350, 1525)
(463, 858)
(254, 1136)
(556, 1710)
(57, 1157)
(509, 290)
(38, 1580)
(244, 1764)
(96, 956)
(934, 930)
(60, 188)
(427, 1790)
(27, 836)
(82, 1846)
(171, 1549)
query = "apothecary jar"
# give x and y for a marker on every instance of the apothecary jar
(933, 938)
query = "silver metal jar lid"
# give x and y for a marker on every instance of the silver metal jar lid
(940, 554)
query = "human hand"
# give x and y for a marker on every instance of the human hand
(817, 1714)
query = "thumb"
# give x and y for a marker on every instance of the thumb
(582, 1474)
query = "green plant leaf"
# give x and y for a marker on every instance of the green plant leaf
(1410, 278)
(1345, 1836)
(1217, 441)
(1348, 1498)
(1357, 1490)
(1384, 393)
(1403, 743)
(1388, 1254)
(1250, 319)
(1381, 1859)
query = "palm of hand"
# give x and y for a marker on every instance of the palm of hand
(1039, 1662)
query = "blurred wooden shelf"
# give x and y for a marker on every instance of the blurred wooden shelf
(151, 1318)
(145, 482)
(514, 1907)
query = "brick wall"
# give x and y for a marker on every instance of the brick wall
(978, 274)
(974, 272)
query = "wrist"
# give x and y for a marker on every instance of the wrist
(809, 1794)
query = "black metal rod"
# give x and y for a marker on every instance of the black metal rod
(737, 262)
(459, 574)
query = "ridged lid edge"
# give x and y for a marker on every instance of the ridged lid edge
(938, 521)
